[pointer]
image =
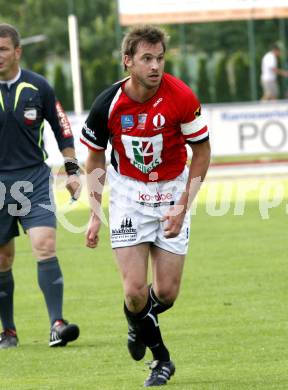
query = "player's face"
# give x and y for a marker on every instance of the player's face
(9, 59)
(147, 65)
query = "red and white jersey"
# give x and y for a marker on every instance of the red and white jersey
(148, 139)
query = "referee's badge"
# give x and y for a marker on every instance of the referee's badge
(30, 115)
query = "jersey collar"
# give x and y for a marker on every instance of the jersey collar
(12, 81)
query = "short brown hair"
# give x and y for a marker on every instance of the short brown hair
(8, 31)
(146, 33)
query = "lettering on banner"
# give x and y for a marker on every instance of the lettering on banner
(272, 135)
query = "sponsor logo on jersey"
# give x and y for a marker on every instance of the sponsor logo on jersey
(30, 115)
(127, 122)
(197, 112)
(125, 232)
(141, 121)
(144, 153)
(158, 122)
(63, 121)
(157, 102)
(89, 132)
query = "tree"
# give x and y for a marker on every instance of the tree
(203, 83)
(61, 88)
(97, 76)
(169, 63)
(39, 67)
(184, 71)
(240, 67)
(222, 85)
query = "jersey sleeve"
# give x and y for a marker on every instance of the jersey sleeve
(193, 124)
(95, 132)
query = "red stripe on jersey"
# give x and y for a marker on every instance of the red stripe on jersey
(90, 147)
(202, 131)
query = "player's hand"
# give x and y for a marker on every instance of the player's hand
(92, 237)
(74, 186)
(173, 221)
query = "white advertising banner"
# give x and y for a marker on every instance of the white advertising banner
(177, 11)
(235, 129)
(253, 128)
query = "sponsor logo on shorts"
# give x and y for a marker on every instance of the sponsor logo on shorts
(155, 200)
(126, 232)
(158, 197)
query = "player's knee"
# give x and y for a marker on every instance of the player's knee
(136, 296)
(167, 294)
(6, 261)
(44, 248)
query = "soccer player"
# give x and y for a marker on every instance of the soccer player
(26, 197)
(149, 117)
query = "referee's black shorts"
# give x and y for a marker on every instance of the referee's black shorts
(26, 198)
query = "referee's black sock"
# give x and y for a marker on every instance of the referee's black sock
(158, 306)
(147, 324)
(6, 299)
(50, 281)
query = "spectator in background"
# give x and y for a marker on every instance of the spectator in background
(270, 72)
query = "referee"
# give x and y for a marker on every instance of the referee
(26, 99)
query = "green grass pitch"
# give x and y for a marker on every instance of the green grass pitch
(227, 330)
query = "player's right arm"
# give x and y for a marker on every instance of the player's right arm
(95, 175)
(95, 135)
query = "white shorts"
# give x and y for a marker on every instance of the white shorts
(136, 208)
(270, 89)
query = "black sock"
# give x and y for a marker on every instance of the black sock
(158, 307)
(50, 281)
(6, 300)
(147, 324)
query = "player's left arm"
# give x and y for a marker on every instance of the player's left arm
(73, 182)
(197, 172)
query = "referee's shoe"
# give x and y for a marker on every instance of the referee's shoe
(62, 333)
(8, 339)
